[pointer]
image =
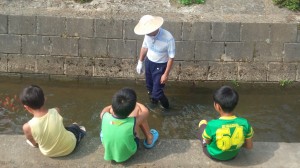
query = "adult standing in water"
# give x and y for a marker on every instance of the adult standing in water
(158, 52)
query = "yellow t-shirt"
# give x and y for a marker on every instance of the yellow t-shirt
(49, 132)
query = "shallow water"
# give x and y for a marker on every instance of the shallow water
(271, 109)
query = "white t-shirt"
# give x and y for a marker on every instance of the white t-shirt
(160, 47)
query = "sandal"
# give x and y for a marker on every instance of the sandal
(155, 138)
(29, 143)
(202, 122)
(82, 128)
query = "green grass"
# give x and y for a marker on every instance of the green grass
(190, 2)
(293, 5)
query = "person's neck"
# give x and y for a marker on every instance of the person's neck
(154, 34)
(223, 114)
(39, 112)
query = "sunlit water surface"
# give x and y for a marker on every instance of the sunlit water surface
(272, 110)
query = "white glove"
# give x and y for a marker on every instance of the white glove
(139, 67)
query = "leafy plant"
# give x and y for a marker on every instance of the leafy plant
(189, 2)
(284, 82)
(293, 5)
(235, 83)
(83, 1)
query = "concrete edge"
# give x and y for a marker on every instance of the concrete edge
(14, 152)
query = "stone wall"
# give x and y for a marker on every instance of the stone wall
(58, 47)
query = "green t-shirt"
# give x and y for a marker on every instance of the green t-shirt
(227, 135)
(118, 137)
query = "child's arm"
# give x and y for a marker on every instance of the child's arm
(105, 109)
(248, 143)
(28, 135)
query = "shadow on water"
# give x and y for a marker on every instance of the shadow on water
(272, 110)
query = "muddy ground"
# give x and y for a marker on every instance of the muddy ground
(212, 10)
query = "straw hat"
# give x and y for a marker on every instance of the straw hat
(148, 24)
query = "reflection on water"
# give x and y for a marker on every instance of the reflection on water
(272, 110)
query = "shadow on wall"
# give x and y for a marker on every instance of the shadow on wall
(86, 147)
(162, 150)
(261, 153)
(92, 149)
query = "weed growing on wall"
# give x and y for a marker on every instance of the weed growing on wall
(235, 83)
(293, 5)
(284, 83)
(83, 1)
(190, 2)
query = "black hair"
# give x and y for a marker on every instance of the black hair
(123, 102)
(32, 96)
(227, 98)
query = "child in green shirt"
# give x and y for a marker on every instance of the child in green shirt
(222, 138)
(120, 124)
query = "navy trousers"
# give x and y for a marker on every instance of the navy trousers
(153, 73)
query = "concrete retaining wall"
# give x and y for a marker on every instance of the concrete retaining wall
(56, 47)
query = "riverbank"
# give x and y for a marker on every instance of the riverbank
(15, 152)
